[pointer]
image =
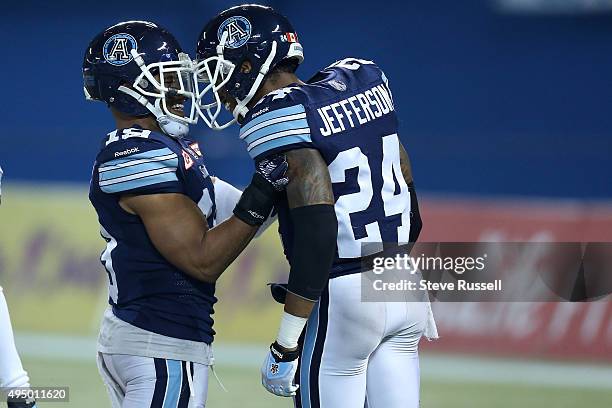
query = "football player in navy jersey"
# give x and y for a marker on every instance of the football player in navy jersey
(351, 184)
(168, 224)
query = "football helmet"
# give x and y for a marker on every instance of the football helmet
(253, 33)
(139, 68)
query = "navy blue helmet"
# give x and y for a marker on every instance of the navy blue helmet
(139, 69)
(250, 32)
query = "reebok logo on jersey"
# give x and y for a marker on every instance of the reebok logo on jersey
(264, 110)
(126, 152)
(356, 110)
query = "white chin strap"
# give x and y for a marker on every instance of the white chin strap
(170, 126)
(241, 108)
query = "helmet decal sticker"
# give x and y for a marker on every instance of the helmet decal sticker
(238, 31)
(289, 37)
(117, 49)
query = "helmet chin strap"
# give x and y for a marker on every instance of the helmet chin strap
(241, 108)
(170, 126)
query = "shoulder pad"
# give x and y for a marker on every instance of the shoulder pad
(276, 124)
(144, 163)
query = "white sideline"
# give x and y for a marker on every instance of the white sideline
(438, 367)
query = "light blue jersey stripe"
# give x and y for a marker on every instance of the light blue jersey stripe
(275, 128)
(309, 344)
(139, 183)
(175, 380)
(291, 110)
(286, 118)
(275, 143)
(139, 168)
(148, 155)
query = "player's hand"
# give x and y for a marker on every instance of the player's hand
(274, 170)
(257, 200)
(278, 371)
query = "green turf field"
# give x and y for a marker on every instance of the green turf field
(244, 390)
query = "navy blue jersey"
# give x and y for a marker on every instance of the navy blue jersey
(346, 112)
(145, 290)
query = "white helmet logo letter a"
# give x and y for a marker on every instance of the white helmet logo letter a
(238, 31)
(117, 49)
(119, 52)
(235, 32)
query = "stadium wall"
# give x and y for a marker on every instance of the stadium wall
(54, 282)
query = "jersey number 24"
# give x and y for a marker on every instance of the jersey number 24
(394, 204)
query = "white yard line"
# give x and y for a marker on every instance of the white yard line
(438, 367)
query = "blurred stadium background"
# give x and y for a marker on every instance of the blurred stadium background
(505, 110)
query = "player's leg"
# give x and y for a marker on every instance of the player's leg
(157, 383)
(341, 334)
(199, 386)
(116, 390)
(393, 377)
(12, 373)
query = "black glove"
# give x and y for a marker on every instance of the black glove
(274, 170)
(257, 200)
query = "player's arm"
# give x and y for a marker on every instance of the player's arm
(311, 203)
(226, 198)
(416, 224)
(405, 164)
(315, 230)
(179, 231)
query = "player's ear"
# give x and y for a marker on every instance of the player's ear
(246, 67)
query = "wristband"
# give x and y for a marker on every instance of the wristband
(256, 202)
(290, 330)
(283, 356)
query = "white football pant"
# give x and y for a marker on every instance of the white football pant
(355, 351)
(145, 382)
(12, 373)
